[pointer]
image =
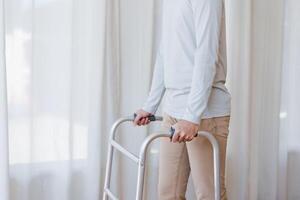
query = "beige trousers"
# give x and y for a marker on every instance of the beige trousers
(177, 160)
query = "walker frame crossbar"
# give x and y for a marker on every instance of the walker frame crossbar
(107, 193)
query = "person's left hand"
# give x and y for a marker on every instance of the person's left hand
(184, 131)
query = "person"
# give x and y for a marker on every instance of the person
(190, 72)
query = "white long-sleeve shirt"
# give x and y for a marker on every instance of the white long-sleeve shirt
(190, 66)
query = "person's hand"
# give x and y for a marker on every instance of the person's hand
(184, 131)
(141, 118)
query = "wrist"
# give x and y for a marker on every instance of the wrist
(149, 109)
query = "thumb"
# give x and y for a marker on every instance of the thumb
(137, 119)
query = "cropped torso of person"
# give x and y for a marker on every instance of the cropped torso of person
(190, 67)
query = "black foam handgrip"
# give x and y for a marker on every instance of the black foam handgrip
(150, 117)
(172, 131)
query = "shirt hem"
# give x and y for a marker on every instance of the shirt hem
(204, 116)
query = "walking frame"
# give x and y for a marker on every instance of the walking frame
(140, 161)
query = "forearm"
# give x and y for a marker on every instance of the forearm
(153, 100)
(157, 86)
(200, 92)
(207, 16)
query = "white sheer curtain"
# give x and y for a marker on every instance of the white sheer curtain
(255, 38)
(289, 157)
(263, 156)
(54, 61)
(75, 66)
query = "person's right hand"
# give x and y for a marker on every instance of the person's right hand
(141, 118)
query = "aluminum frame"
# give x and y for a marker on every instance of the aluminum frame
(141, 160)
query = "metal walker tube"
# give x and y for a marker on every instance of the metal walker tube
(141, 160)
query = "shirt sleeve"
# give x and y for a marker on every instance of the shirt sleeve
(207, 18)
(157, 85)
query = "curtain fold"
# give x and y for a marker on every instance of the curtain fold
(266, 61)
(238, 16)
(4, 177)
(289, 147)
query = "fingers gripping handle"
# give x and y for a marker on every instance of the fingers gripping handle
(150, 117)
(172, 131)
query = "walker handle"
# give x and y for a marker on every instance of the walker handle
(152, 118)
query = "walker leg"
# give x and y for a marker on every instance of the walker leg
(142, 163)
(140, 180)
(216, 158)
(110, 156)
(108, 171)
